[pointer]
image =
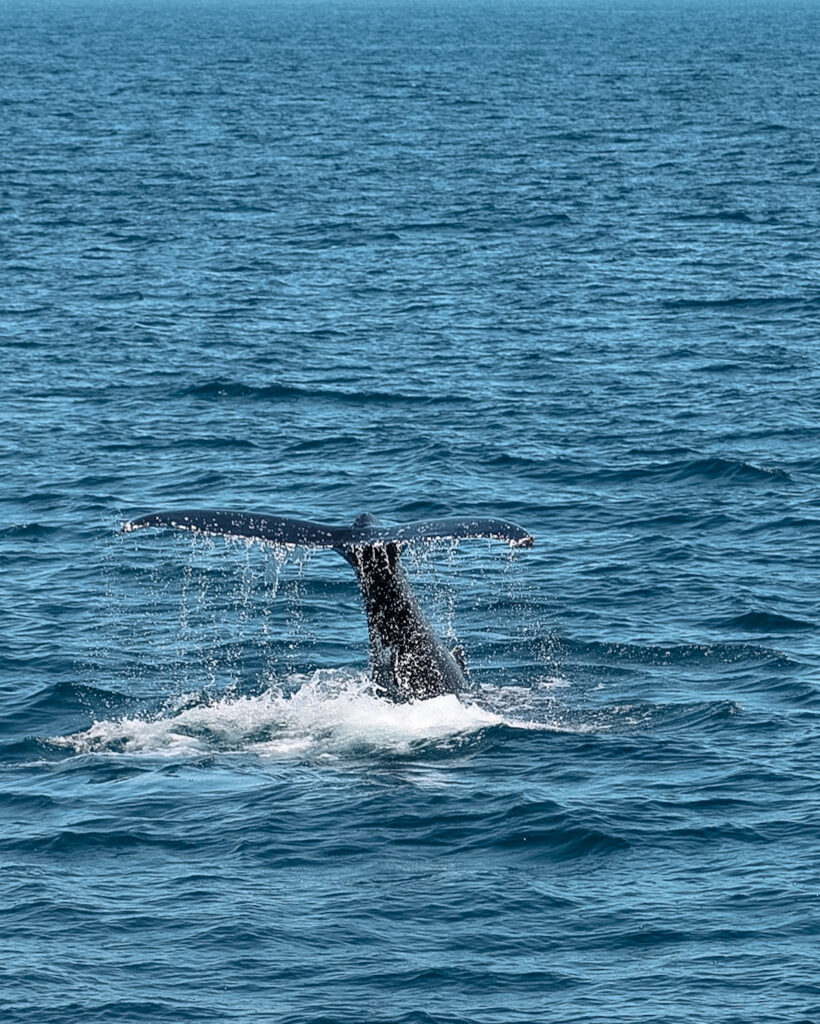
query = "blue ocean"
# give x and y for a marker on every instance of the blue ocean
(551, 261)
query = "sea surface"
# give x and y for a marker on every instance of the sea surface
(555, 262)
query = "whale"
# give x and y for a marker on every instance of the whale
(408, 660)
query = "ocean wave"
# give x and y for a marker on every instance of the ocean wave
(30, 712)
(714, 467)
(718, 468)
(701, 467)
(536, 827)
(62, 695)
(796, 523)
(543, 220)
(634, 717)
(28, 531)
(759, 621)
(730, 216)
(717, 654)
(219, 388)
(752, 304)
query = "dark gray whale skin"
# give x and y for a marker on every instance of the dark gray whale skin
(408, 661)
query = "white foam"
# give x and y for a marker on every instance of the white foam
(327, 713)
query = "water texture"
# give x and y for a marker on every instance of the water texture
(554, 262)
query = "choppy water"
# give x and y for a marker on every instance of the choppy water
(555, 262)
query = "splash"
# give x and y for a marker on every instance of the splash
(328, 714)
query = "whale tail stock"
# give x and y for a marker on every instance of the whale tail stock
(363, 532)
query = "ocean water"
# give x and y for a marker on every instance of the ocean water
(550, 261)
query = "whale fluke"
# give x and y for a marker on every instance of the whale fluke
(303, 533)
(249, 525)
(408, 660)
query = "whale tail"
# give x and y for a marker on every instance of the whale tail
(363, 532)
(408, 660)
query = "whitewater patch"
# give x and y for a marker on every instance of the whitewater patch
(329, 713)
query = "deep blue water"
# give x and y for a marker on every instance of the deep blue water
(555, 262)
